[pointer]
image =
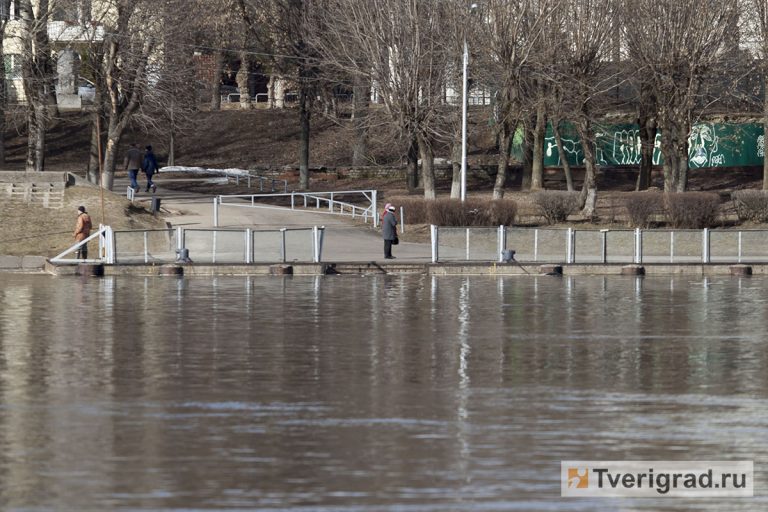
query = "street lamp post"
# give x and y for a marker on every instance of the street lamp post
(464, 123)
(463, 194)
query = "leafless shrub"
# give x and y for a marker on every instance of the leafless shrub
(642, 206)
(453, 212)
(692, 210)
(556, 205)
(751, 205)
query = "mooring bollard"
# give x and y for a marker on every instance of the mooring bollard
(741, 270)
(633, 270)
(89, 270)
(171, 270)
(281, 270)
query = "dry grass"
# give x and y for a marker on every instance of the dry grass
(34, 230)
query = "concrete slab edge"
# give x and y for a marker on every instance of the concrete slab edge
(358, 268)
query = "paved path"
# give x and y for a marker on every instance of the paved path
(345, 239)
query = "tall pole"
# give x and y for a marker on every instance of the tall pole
(464, 124)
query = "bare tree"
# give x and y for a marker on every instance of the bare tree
(131, 42)
(675, 44)
(397, 46)
(283, 40)
(5, 15)
(581, 77)
(756, 24)
(509, 34)
(38, 76)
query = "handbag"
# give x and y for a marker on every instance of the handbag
(395, 241)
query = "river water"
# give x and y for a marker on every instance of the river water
(386, 393)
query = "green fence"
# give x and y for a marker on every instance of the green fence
(709, 145)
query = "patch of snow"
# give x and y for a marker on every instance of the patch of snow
(201, 170)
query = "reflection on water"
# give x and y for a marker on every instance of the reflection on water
(375, 393)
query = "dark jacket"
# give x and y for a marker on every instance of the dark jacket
(389, 226)
(150, 162)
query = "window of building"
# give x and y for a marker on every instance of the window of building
(9, 9)
(12, 66)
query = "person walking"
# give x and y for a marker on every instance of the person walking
(82, 231)
(389, 232)
(150, 168)
(133, 164)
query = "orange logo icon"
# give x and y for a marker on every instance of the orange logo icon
(578, 478)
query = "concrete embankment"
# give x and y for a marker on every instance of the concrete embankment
(22, 263)
(440, 269)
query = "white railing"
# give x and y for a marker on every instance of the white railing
(215, 246)
(262, 180)
(319, 202)
(550, 245)
(106, 254)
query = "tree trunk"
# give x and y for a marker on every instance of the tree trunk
(505, 141)
(537, 165)
(93, 156)
(527, 155)
(765, 133)
(218, 68)
(242, 81)
(427, 169)
(562, 155)
(31, 138)
(40, 113)
(670, 157)
(360, 120)
(682, 169)
(412, 167)
(304, 117)
(456, 165)
(589, 190)
(110, 160)
(3, 96)
(647, 146)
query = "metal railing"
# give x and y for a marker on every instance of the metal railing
(214, 246)
(320, 202)
(262, 180)
(551, 245)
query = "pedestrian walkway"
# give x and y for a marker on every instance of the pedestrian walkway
(345, 239)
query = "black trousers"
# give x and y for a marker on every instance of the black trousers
(387, 248)
(82, 252)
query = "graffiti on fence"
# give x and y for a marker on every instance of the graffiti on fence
(709, 145)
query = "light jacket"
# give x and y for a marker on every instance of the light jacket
(83, 227)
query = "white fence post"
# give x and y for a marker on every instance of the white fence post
(375, 211)
(434, 237)
(283, 250)
(315, 243)
(502, 242)
(638, 246)
(248, 245)
(739, 257)
(320, 244)
(215, 212)
(604, 246)
(705, 245)
(467, 245)
(570, 255)
(402, 220)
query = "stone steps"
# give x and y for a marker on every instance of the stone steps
(47, 194)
